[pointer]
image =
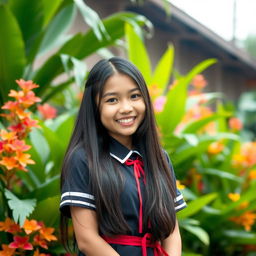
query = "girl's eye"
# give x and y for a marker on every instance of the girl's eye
(135, 96)
(111, 100)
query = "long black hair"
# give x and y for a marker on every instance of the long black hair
(93, 137)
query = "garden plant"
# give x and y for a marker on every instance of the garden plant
(214, 164)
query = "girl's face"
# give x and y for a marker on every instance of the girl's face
(122, 108)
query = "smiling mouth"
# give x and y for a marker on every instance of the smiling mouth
(126, 121)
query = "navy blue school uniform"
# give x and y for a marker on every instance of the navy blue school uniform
(76, 191)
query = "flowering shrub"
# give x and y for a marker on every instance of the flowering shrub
(26, 237)
(30, 237)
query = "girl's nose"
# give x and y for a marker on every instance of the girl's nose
(125, 107)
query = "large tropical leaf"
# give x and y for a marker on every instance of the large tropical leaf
(40, 144)
(47, 189)
(92, 19)
(55, 33)
(137, 52)
(50, 8)
(81, 46)
(175, 105)
(196, 205)
(47, 211)
(195, 126)
(30, 16)
(198, 232)
(240, 236)
(12, 52)
(163, 70)
(220, 174)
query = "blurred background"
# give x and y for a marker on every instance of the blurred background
(198, 58)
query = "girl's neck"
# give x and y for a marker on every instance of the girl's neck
(127, 142)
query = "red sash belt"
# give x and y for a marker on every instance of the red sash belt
(144, 242)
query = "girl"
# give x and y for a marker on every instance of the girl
(117, 183)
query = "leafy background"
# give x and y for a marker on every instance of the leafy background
(212, 152)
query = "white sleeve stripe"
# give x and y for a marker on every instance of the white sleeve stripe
(85, 195)
(178, 198)
(180, 206)
(77, 202)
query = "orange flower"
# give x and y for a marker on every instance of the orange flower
(9, 162)
(30, 226)
(235, 124)
(38, 240)
(234, 196)
(24, 159)
(199, 82)
(29, 99)
(16, 94)
(21, 242)
(249, 151)
(247, 219)
(7, 135)
(26, 85)
(179, 185)
(11, 105)
(7, 251)
(47, 234)
(22, 114)
(215, 147)
(37, 253)
(19, 145)
(47, 111)
(9, 226)
(252, 175)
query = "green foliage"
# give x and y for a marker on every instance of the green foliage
(196, 205)
(25, 40)
(21, 209)
(191, 132)
(12, 52)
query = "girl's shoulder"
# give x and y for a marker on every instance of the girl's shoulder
(78, 155)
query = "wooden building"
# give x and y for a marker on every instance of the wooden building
(235, 71)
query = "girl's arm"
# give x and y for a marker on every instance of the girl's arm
(172, 244)
(86, 231)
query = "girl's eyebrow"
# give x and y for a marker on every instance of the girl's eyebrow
(115, 93)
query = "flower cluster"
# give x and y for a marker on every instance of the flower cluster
(12, 139)
(18, 116)
(246, 158)
(247, 220)
(32, 236)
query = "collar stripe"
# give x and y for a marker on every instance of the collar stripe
(126, 157)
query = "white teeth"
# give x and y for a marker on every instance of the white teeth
(125, 120)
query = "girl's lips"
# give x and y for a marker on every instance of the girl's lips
(126, 121)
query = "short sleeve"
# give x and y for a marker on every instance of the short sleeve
(76, 189)
(179, 201)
